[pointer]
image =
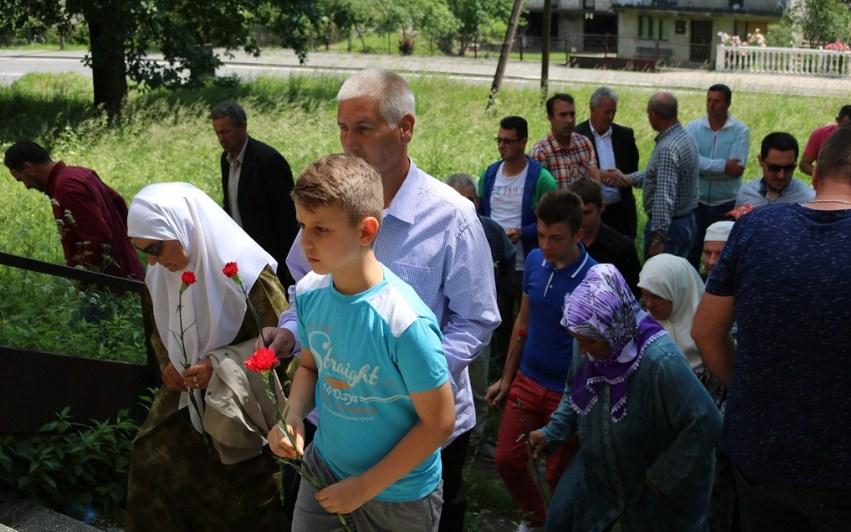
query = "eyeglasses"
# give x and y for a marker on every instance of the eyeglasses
(154, 250)
(500, 140)
(789, 168)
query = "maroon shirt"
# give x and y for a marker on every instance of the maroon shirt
(92, 222)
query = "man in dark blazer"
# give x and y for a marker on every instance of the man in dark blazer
(615, 147)
(256, 181)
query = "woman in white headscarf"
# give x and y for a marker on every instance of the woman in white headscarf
(671, 290)
(176, 481)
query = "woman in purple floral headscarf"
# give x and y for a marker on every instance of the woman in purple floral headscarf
(648, 428)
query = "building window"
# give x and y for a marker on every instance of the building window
(743, 28)
(645, 27)
(652, 28)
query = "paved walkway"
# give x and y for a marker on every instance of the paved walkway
(517, 72)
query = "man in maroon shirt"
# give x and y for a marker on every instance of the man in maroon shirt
(91, 217)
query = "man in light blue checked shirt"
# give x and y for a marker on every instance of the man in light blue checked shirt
(431, 238)
(723, 143)
(669, 181)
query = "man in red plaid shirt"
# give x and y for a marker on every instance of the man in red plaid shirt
(567, 155)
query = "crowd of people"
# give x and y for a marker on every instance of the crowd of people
(717, 403)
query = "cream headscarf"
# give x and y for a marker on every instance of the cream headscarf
(675, 279)
(214, 307)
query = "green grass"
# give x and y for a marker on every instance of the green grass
(166, 136)
(46, 46)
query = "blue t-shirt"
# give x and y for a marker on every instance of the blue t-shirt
(548, 347)
(372, 351)
(788, 417)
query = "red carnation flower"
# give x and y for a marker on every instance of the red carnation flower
(230, 270)
(188, 278)
(262, 360)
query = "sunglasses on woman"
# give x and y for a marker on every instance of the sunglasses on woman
(154, 250)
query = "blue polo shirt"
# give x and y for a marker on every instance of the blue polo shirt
(548, 347)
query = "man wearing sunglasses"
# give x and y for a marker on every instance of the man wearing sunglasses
(509, 191)
(778, 157)
(510, 188)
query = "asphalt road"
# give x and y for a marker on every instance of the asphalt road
(14, 64)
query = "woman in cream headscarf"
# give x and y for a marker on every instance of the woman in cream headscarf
(672, 289)
(176, 482)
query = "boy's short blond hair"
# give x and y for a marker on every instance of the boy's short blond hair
(343, 181)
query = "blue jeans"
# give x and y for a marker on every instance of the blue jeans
(680, 236)
(705, 216)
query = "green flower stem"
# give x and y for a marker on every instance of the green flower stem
(253, 310)
(207, 442)
(296, 463)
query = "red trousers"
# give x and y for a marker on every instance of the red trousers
(527, 408)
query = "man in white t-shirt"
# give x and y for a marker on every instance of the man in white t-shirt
(509, 191)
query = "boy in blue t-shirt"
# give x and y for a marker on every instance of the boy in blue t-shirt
(371, 364)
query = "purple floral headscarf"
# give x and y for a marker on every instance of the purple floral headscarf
(603, 307)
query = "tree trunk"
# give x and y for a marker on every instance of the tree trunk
(545, 50)
(507, 43)
(106, 42)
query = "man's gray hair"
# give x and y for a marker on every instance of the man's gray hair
(663, 104)
(603, 92)
(394, 96)
(232, 110)
(457, 181)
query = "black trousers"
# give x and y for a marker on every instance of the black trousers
(454, 497)
(782, 508)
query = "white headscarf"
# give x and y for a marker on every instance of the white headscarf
(213, 307)
(718, 232)
(675, 279)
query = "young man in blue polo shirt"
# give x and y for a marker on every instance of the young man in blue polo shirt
(533, 379)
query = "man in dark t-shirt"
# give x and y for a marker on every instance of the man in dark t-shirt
(91, 217)
(785, 277)
(604, 244)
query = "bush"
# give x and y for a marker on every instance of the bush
(781, 35)
(68, 466)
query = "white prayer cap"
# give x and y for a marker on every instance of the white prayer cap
(718, 232)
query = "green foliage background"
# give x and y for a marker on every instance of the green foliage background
(166, 136)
